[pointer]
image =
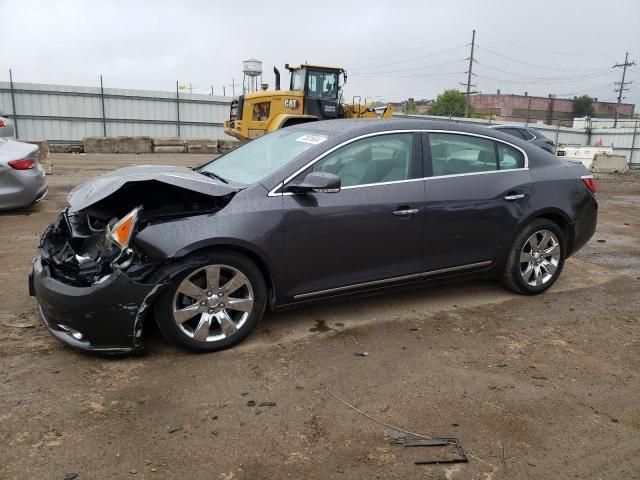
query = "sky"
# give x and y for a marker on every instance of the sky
(392, 50)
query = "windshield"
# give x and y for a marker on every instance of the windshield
(259, 158)
(323, 84)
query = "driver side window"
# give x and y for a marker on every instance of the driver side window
(379, 159)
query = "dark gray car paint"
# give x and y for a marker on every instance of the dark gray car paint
(312, 242)
(331, 234)
(537, 138)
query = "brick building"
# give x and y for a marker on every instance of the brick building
(550, 110)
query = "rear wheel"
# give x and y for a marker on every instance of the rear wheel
(213, 303)
(536, 258)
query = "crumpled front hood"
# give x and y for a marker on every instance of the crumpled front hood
(101, 187)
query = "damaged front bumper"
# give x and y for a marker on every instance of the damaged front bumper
(105, 317)
(93, 282)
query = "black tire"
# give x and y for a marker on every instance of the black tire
(179, 334)
(512, 273)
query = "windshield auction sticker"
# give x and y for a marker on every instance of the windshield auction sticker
(312, 139)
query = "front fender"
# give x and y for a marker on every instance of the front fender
(249, 224)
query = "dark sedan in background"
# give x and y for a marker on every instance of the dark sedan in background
(529, 134)
(307, 213)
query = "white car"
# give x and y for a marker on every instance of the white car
(7, 129)
(23, 181)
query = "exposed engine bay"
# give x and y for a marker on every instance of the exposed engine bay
(80, 250)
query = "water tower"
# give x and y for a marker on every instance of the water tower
(251, 70)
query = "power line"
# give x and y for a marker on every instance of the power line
(412, 59)
(591, 88)
(414, 75)
(534, 65)
(546, 51)
(552, 82)
(414, 69)
(621, 88)
(414, 49)
(567, 77)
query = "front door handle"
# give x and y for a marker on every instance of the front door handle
(515, 196)
(405, 212)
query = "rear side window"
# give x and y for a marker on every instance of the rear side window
(512, 131)
(379, 159)
(527, 134)
(509, 158)
(453, 154)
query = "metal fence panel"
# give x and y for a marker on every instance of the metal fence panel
(65, 113)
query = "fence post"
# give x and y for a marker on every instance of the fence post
(13, 104)
(557, 132)
(178, 108)
(633, 143)
(104, 117)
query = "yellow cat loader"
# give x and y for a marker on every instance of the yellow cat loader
(315, 93)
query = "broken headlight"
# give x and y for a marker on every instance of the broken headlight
(122, 231)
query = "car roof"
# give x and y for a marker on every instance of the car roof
(343, 130)
(355, 126)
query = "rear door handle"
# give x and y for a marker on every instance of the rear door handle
(515, 196)
(405, 212)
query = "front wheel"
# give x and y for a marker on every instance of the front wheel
(536, 258)
(213, 303)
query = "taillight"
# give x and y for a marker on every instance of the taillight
(23, 164)
(549, 142)
(3, 124)
(589, 182)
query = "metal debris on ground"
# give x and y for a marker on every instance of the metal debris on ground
(410, 439)
(438, 442)
(398, 438)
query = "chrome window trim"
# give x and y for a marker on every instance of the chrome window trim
(382, 183)
(274, 191)
(394, 279)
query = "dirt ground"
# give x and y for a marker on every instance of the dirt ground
(533, 387)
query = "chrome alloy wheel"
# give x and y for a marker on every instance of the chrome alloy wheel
(213, 303)
(539, 258)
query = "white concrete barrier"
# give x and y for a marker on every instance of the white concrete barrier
(603, 163)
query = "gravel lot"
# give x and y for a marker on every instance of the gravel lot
(534, 387)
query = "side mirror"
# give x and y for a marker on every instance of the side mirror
(324, 182)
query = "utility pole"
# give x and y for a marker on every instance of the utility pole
(233, 86)
(469, 74)
(622, 83)
(13, 104)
